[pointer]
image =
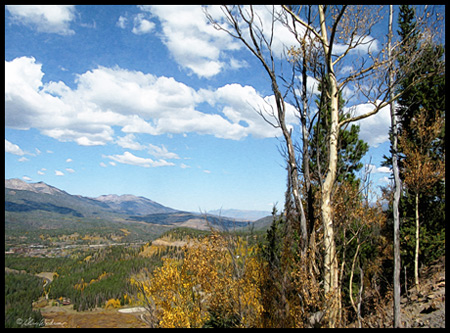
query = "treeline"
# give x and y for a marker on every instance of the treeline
(20, 292)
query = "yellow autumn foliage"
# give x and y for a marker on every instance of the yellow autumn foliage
(219, 275)
(112, 303)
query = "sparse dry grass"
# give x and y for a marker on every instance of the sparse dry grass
(66, 317)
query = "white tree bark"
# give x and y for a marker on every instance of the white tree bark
(397, 183)
(331, 266)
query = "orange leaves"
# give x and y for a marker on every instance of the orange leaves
(421, 169)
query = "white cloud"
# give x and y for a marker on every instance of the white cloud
(44, 18)
(282, 37)
(360, 45)
(122, 22)
(194, 43)
(13, 148)
(26, 178)
(70, 170)
(374, 129)
(237, 64)
(373, 169)
(383, 169)
(242, 104)
(69, 160)
(59, 173)
(128, 158)
(385, 179)
(141, 25)
(23, 159)
(133, 101)
(128, 142)
(161, 152)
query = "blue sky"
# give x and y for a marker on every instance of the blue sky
(146, 100)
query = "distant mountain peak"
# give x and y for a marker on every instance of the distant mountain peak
(127, 204)
(40, 187)
(131, 204)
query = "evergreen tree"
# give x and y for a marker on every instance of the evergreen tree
(351, 148)
(426, 98)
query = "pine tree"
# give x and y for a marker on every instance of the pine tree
(428, 95)
(350, 148)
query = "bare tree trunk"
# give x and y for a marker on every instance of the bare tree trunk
(293, 169)
(416, 254)
(350, 286)
(397, 184)
(305, 143)
(331, 265)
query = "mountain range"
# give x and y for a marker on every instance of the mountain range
(39, 205)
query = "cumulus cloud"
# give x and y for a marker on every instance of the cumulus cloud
(129, 158)
(59, 173)
(13, 148)
(141, 25)
(161, 152)
(374, 169)
(193, 42)
(44, 18)
(246, 108)
(129, 142)
(374, 129)
(133, 101)
(122, 22)
(359, 45)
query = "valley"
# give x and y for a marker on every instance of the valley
(69, 259)
(85, 285)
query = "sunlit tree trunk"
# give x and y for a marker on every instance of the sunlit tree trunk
(416, 254)
(330, 259)
(397, 184)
